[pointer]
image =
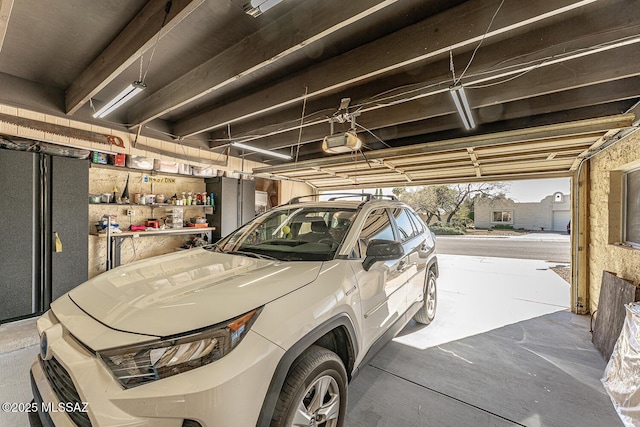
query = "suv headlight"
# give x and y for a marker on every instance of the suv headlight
(137, 365)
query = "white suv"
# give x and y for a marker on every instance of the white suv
(264, 328)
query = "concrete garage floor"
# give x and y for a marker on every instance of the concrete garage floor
(503, 351)
(18, 347)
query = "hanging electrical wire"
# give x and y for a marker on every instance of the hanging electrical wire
(373, 134)
(304, 107)
(473, 55)
(415, 91)
(167, 9)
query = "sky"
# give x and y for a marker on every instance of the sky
(521, 191)
(537, 189)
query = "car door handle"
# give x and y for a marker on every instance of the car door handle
(402, 265)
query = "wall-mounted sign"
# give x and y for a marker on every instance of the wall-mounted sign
(158, 179)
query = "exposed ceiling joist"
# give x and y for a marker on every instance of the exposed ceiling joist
(564, 36)
(259, 50)
(388, 57)
(5, 14)
(138, 37)
(537, 92)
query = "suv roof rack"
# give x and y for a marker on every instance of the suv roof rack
(366, 197)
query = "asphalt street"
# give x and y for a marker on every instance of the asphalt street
(538, 246)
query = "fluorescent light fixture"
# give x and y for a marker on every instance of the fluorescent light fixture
(341, 143)
(132, 90)
(462, 105)
(260, 150)
(256, 8)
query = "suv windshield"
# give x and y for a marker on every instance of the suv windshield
(311, 233)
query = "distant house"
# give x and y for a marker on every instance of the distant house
(551, 213)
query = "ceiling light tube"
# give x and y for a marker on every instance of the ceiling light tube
(462, 105)
(256, 8)
(132, 90)
(261, 150)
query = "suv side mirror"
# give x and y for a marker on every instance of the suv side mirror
(382, 250)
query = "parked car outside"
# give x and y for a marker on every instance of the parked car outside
(264, 328)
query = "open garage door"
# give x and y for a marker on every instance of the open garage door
(551, 151)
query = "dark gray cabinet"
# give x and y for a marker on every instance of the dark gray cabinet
(41, 195)
(235, 203)
(70, 221)
(19, 233)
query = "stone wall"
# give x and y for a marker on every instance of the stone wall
(605, 218)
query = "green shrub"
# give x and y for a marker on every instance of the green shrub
(461, 223)
(445, 230)
(502, 227)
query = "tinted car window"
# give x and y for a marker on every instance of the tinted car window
(417, 222)
(377, 226)
(405, 226)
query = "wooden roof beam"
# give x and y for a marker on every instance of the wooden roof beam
(555, 40)
(139, 36)
(399, 50)
(256, 52)
(5, 13)
(537, 92)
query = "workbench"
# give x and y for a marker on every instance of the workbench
(116, 239)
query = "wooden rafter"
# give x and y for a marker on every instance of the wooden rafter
(139, 36)
(324, 79)
(254, 53)
(5, 14)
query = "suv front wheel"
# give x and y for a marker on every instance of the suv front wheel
(427, 312)
(314, 392)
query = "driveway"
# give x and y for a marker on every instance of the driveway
(542, 246)
(504, 350)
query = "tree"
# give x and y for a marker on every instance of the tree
(438, 201)
(465, 191)
(431, 201)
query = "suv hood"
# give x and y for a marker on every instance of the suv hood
(187, 290)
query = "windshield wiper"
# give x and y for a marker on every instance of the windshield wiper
(251, 254)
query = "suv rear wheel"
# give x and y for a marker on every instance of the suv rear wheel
(314, 392)
(427, 312)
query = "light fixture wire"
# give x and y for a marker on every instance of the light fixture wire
(139, 84)
(304, 107)
(473, 55)
(167, 8)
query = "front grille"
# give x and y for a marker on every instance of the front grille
(64, 389)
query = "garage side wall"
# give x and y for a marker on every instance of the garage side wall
(605, 254)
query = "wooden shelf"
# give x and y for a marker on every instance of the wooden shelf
(153, 205)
